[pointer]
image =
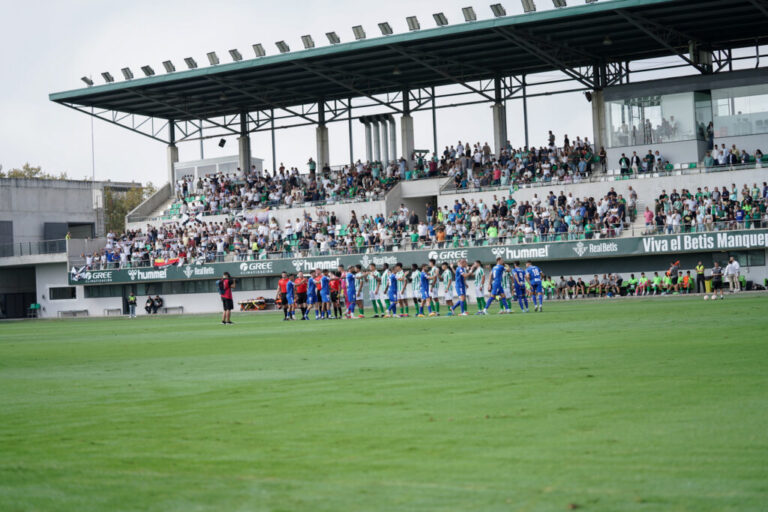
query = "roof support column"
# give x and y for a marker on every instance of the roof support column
(244, 145)
(499, 120)
(376, 141)
(384, 142)
(323, 146)
(368, 142)
(392, 140)
(525, 111)
(172, 153)
(406, 131)
(599, 132)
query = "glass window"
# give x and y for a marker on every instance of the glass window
(652, 120)
(63, 293)
(740, 110)
(756, 259)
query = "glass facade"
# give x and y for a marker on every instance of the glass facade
(740, 110)
(653, 120)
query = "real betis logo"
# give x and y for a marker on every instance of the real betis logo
(188, 271)
(580, 249)
(365, 261)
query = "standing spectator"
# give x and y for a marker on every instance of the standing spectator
(700, 285)
(226, 285)
(732, 271)
(132, 305)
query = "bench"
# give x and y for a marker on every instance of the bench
(74, 313)
(167, 309)
(113, 311)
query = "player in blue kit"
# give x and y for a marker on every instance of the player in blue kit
(325, 296)
(312, 296)
(425, 287)
(518, 277)
(351, 291)
(289, 295)
(461, 287)
(534, 278)
(392, 291)
(497, 289)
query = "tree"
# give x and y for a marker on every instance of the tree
(35, 173)
(118, 204)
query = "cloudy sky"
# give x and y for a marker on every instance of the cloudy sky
(49, 45)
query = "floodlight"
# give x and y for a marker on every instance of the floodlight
(386, 29)
(413, 23)
(607, 41)
(191, 63)
(333, 37)
(236, 55)
(498, 10)
(87, 81)
(529, 6)
(559, 3)
(590, 1)
(469, 14)
(107, 76)
(169, 67)
(148, 71)
(440, 19)
(283, 47)
(213, 58)
(127, 73)
(359, 32)
(308, 42)
(258, 49)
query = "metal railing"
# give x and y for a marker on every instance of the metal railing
(598, 177)
(510, 239)
(33, 248)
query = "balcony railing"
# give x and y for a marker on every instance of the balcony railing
(33, 248)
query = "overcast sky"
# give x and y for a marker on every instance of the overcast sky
(49, 45)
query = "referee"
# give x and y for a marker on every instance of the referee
(226, 285)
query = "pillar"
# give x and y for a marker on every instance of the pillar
(499, 127)
(392, 140)
(323, 147)
(368, 143)
(406, 137)
(172, 153)
(244, 145)
(599, 132)
(376, 141)
(384, 143)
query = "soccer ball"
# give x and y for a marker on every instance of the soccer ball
(706, 297)
(714, 297)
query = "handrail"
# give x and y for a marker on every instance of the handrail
(33, 248)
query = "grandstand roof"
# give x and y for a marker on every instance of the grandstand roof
(543, 41)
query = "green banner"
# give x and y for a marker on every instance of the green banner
(571, 250)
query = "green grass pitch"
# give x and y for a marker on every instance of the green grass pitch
(635, 405)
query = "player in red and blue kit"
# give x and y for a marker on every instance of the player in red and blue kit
(392, 291)
(534, 277)
(351, 291)
(426, 297)
(497, 289)
(289, 296)
(325, 296)
(461, 287)
(518, 277)
(312, 296)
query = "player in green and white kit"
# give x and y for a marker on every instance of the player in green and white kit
(506, 282)
(447, 279)
(372, 278)
(401, 299)
(359, 285)
(384, 287)
(415, 277)
(479, 275)
(434, 285)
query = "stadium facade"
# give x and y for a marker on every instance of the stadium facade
(381, 82)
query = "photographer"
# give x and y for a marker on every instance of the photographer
(226, 284)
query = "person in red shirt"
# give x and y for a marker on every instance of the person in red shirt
(335, 289)
(226, 285)
(301, 294)
(282, 292)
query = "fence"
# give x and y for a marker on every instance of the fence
(33, 248)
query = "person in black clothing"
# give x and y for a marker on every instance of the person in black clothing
(148, 305)
(156, 304)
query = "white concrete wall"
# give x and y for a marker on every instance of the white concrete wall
(675, 152)
(647, 189)
(422, 188)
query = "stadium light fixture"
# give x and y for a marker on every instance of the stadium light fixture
(107, 76)
(359, 32)
(258, 49)
(191, 63)
(413, 23)
(236, 55)
(333, 37)
(213, 58)
(529, 6)
(440, 19)
(498, 10)
(147, 70)
(127, 73)
(87, 81)
(590, 1)
(386, 29)
(560, 3)
(607, 41)
(308, 42)
(283, 47)
(469, 14)
(169, 67)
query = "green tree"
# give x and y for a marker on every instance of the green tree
(118, 204)
(29, 172)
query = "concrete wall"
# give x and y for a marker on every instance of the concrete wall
(647, 188)
(151, 205)
(422, 188)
